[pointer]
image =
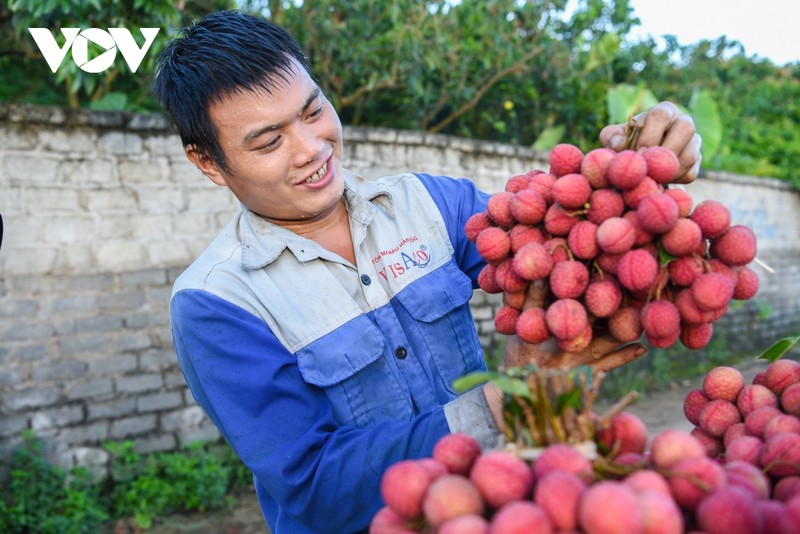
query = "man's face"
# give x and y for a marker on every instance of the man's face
(284, 149)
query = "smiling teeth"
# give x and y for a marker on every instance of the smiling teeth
(314, 178)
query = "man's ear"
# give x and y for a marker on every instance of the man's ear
(205, 164)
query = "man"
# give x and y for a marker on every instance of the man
(320, 361)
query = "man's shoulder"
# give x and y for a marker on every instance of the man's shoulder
(222, 255)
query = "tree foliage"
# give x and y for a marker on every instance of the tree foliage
(519, 71)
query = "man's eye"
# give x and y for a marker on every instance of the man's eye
(270, 144)
(315, 113)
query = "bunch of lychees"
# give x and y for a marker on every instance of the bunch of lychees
(619, 247)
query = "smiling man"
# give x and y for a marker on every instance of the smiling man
(322, 329)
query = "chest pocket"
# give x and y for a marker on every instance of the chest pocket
(439, 306)
(350, 365)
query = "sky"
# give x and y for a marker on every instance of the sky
(767, 28)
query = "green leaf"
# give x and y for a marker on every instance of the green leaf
(705, 112)
(625, 100)
(779, 348)
(549, 138)
(507, 384)
(569, 399)
(110, 102)
(471, 380)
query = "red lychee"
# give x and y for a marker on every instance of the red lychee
(558, 494)
(781, 374)
(517, 183)
(747, 284)
(582, 240)
(745, 449)
(662, 164)
(756, 420)
(712, 216)
(569, 279)
(683, 238)
(499, 208)
(603, 297)
(754, 396)
(696, 336)
(571, 191)
(683, 270)
(565, 458)
(604, 204)
(692, 479)
(501, 477)
(615, 235)
(557, 221)
(648, 480)
(661, 319)
(694, 401)
(387, 521)
(723, 382)
(493, 244)
(657, 213)
(465, 524)
(737, 246)
(670, 446)
(566, 318)
(579, 343)
(477, 222)
(682, 199)
(507, 279)
(637, 269)
(533, 262)
(728, 510)
(711, 445)
(712, 291)
(522, 234)
(565, 159)
(457, 452)
(543, 183)
(746, 475)
(626, 169)
(781, 423)
(790, 399)
(625, 325)
(626, 432)
(610, 507)
(780, 456)
(532, 326)
(646, 187)
(595, 166)
(505, 320)
(520, 517)
(451, 496)
(717, 416)
(528, 207)
(403, 487)
(661, 513)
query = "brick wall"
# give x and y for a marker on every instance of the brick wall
(102, 211)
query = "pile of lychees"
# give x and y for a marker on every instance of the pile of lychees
(616, 244)
(672, 484)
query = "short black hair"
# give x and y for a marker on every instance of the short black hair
(223, 53)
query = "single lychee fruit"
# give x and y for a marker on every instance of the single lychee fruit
(754, 396)
(729, 510)
(781, 374)
(615, 235)
(756, 420)
(662, 164)
(505, 320)
(501, 477)
(719, 266)
(558, 494)
(603, 296)
(487, 279)
(582, 240)
(565, 159)
(781, 423)
(522, 234)
(604, 204)
(661, 513)
(712, 216)
(745, 449)
(692, 479)
(717, 416)
(643, 237)
(696, 336)
(774, 517)
(457, 452)
(403, 487)
(723, 382)
(737, 246)
(465, 524)
(566, 318)
(780, 456)
(661, 319)
(515, 300)
(451, 496)
(682, 239)
(610, 507)
(683, 270)
(528, 206)
(733, 432)
(517, 183)
(711, 445)
(499, 208)
(790, 399)
(625, 325)
(543, 183)
(637, 269)
(520, 517)
(711, 291)
(578, 343)
(690, 312)
(569, 279)
(557, 247)
(626, 432)
(565, 458)
(435, 467)
(533, 262)
(746, 475)
(595, 166)
(747, 284)
(557, 221)
(647, 480)
(571, 191)
(672, 445)
(657, 213)
(694, 401)
(493, 244)
(786, 488)
(477, 222)
(626, 169)
(608, 262)
(682, 199)
(646, 187)
(532, 326)
(507, 279)
(387, 521)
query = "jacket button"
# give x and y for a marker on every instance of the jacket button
(400, 352)
(366, 280)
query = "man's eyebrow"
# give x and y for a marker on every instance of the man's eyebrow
(261, 130)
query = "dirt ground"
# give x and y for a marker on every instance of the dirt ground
(659, 410)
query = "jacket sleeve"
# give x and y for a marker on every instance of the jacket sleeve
(458, 199)
(325, 475)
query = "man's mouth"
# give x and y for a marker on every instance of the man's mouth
(314, 178)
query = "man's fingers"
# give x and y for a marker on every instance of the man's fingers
(537, 295)
(690, 159)
(613, 136)
(619, 357)
(656, 122)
